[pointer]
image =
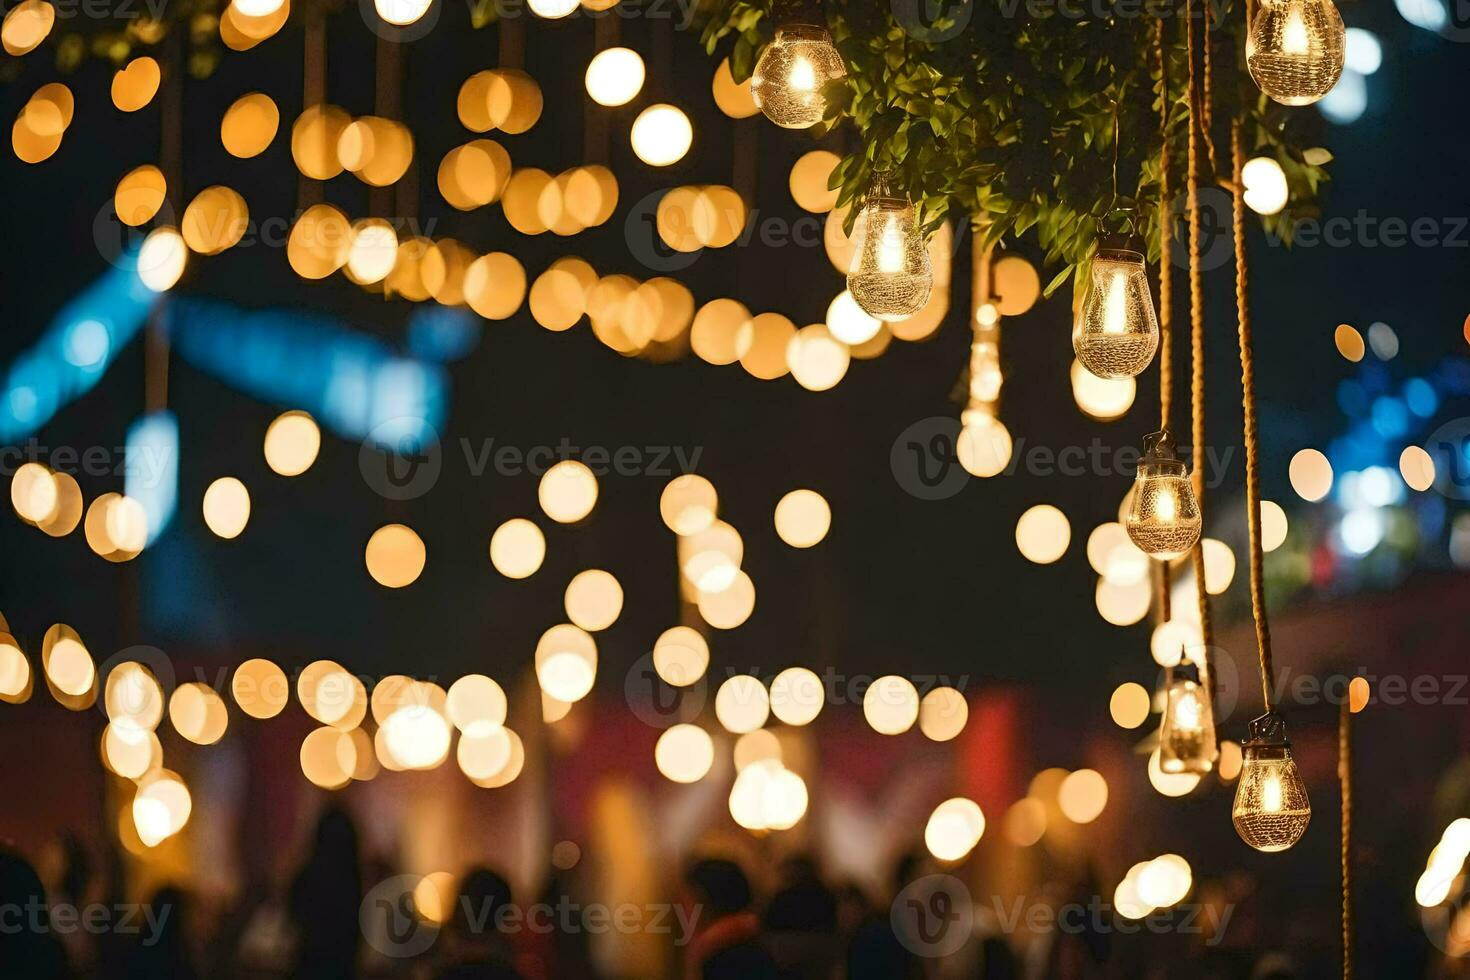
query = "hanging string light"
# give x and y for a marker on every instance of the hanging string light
(1164, 517)
(1116, 334)
(1187, 741)
(1271, 809)
(891, 274)
(1296, 49)
(792, 71)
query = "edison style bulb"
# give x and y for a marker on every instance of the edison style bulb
(1117, 332)
(1164, 519)
(1296, 49)
(890, 276)
(1187, 737)
(1271, 807)
(788, 79)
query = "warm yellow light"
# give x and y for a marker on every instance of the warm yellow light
(476, 705)
(1271, 810)
(768, 796)
(15, 671)
(249, 125)
(33, 493)
(891, 705)
(984, 446)
(954, 828)
(484, 754)
(734, 100)
(791, 73)
(417, 737)
(1167, 783)
(810, 177)
(134, 86)
(69, 667)
(615, 76)
(1102, 398)
(131, 752)
(319, 243)
(198, 713)
(566, 662)
(1117, 332)
(227, 507)
(401, 13)
(395, 556)
(553, 9)
(292, 442)
(1123, 603)
(1043, 533)
(568, 491)
(517, 548)
(816, 359)
(161, 259)
(1296, 49)
(1130, 705)
(710, 559)
(848, 322)
(764, 340)
(328, 758)
(139, 195)
(26, 25)
(684, 753)
(680, 656)
(161, 807)
(688, 504)
(797, 696)
(373, 252)
(662, 135)
(1417, 468)
(1025, 822)
(892, 275)
(261, 689)
(1266, 191)
(594, 599)
(943, 714)
(731, 606)
(132, 698)
(1083, 795)
(803, 518)
(1311, 475)
(742, 704)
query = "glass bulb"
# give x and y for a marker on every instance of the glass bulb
(1164, 518)
(1187, 738)
(1271, 809)
(1117, 333)
(985, 375)
(788, 80)
(1296, 49)
(891, 275)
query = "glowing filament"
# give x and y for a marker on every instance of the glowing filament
(1294, 38)
(803, 75)
(1115, 309)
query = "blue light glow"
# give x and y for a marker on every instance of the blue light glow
(351, 383)
(443, 333)
(1421, 397)
(151, 476)
(1348, 100)
(1364, 53)
(74, 352)
(1390, 417)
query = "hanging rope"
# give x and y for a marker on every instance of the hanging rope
(1345, 776)
(1166, 289)
(1197, 331)
(1248, 404)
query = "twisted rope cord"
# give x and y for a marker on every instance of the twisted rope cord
(1248, 404)
(1166, 287)
(1345, 776)
(1197, 332)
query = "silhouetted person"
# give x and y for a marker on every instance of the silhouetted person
(876, 952)
(28, 948)
(326, 900)
(726, 944)
(481, 950)
(160, 950)
(801, 924)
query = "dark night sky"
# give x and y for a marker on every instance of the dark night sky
(899, 585)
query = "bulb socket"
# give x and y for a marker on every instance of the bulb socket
(1266, 735)
(1158, 447)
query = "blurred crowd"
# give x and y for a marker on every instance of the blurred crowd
(343, 918)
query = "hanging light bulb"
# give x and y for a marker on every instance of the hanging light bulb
(1163, 519)
(985, 374)
(891, 275)
(1271, 807)
(1187, 740)
(1296, 49)
(1117, 333)
(788, 80)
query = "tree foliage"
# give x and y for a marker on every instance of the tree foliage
(1004, 112)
